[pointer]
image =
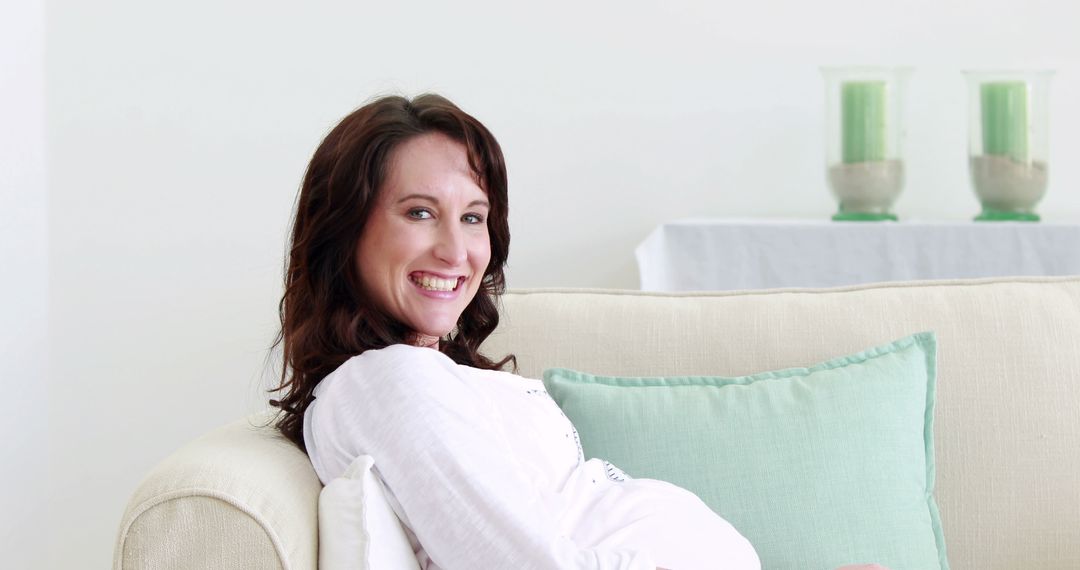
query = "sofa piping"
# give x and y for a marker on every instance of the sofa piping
(807, 290)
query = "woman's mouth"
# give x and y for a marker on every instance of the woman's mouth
(430, 282)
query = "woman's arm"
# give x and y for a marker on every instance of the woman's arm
(440, 450)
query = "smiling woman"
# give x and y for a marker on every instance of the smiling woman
(397, 259)
(425, 246)
(375, 238)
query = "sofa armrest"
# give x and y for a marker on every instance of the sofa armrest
(240, 496)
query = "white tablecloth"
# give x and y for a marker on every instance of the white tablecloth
(698, 255)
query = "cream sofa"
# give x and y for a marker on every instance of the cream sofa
(1007, 424)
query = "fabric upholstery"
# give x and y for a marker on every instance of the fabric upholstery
(819, 467)
(358, 529)
(1007, 421)
(241, 496)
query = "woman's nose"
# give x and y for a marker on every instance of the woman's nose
(450, 245)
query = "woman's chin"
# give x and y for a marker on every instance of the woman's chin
(433, 323)
(433, 331)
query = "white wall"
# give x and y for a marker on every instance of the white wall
(23, 283)
(178, 134)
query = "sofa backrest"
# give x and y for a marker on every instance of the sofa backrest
(1007, 422)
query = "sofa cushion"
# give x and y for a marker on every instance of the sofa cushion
(1006, 422)
(358, 529)
(818, 467)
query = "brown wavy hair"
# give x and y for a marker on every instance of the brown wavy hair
(326, 317)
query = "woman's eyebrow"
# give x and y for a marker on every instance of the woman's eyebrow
(427, 197)
(434, 200)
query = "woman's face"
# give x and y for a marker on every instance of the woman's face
(425, 247)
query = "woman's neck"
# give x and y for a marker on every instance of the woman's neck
(423, 340)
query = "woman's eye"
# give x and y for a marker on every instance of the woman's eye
(473, 219)
(419, 214)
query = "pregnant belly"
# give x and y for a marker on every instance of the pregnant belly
(672, 524)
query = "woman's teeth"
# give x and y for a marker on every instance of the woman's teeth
(436, 283)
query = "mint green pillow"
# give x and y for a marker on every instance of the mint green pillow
(818, 467)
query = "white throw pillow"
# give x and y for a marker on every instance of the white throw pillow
(358, 529)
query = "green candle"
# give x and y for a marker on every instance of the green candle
(1005, 119)
(863, 121)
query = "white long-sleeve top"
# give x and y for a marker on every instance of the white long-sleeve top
(486, 472)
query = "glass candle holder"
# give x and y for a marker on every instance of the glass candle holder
(864, 129)
(1008, 141)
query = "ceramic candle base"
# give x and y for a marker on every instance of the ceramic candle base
(866, 190)
(1008, 189)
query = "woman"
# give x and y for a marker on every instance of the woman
(397, 257)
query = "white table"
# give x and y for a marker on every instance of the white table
(717, 254)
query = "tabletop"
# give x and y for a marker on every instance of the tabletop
(730, 254)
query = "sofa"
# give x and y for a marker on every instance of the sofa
(1006, 426)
